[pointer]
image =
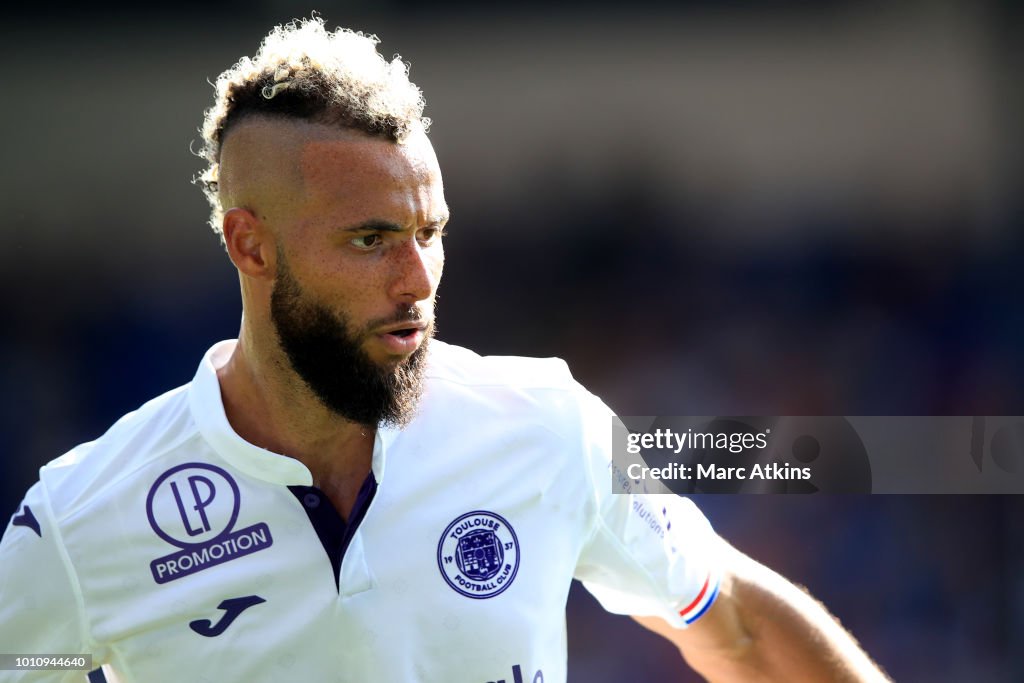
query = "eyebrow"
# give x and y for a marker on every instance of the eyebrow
(381, 225)
(375, 225)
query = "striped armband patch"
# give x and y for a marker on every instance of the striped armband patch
(700, 604)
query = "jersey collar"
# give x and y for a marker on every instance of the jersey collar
(208, 411)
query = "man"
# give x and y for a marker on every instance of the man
(335, 497)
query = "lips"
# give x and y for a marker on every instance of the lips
(403, 338)
(404, 329)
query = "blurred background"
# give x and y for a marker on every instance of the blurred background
(733, 208)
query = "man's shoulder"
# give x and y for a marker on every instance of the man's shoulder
(493, 392)
(88, 471)
(456, 364)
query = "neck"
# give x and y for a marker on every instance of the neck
(269, 405)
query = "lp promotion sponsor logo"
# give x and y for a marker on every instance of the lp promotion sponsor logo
(194, 507)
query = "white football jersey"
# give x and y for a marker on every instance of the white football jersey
(173, 550)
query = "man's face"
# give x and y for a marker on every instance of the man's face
(329, 356)
(359, 261)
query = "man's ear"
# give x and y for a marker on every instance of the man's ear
(249, 243)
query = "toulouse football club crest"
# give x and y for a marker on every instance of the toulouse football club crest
(478, 554)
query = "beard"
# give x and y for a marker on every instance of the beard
(322, 349)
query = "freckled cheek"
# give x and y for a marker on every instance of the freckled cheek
(360, 290)
(437, 267)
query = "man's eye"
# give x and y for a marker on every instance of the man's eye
(366, 241)
(430, 235)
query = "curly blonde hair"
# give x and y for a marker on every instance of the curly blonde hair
(304, 71)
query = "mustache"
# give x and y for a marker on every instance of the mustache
(402, 314)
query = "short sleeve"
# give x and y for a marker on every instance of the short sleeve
(647, 554)
(40, 612)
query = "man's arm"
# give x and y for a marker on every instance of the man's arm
(763, 628)
(40, 608)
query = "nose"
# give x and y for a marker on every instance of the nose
(417, 271)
